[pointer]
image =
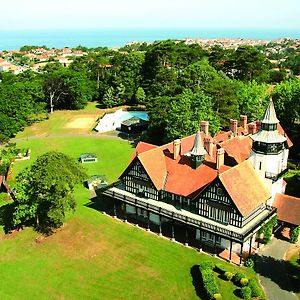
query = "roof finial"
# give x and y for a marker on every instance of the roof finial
(198, 148)
(270, 114)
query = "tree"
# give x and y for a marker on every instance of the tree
(179, 116)
(140, 95)
(67, 89)
(252, 99)
(247, 64)
(286, 96)
(44, 191)
(109, 98)
(185, 113)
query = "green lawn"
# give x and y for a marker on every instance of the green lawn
(95, 256)
(113, 155)
(58, 121)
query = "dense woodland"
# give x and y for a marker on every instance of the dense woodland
(179, 84)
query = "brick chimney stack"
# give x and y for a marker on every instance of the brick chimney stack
(233, 126)
(176, 148)
(252, 128)
(220, 158)
(208, 145)
(204, 126)
(243, 122)
(258, 124)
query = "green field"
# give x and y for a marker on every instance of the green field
(112, 154)
(94, 256)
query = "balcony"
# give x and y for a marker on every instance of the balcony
(274, 177)
(186, 217)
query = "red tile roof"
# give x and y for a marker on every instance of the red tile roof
(183, 180)
(170, 174)
(154, 163)
(238, 147)
(140, 148)
(288, 208)
(245, 187)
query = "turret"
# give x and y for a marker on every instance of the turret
(268, 140)
(198, 152)
(269, 151)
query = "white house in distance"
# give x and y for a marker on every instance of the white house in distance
(220, 189)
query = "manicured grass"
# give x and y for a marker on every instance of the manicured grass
(112, 154)
(95, 256)
(57, 122)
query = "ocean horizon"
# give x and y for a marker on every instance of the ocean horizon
(117, 37)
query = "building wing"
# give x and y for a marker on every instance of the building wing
(245, 187)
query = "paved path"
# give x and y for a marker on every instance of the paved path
(271, 271)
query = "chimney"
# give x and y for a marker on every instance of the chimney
(220, 158)
(233, 126)
(176, 148)
(252, 128)
(208, 145)
(243, 122)
(204, 127)
(258, 124)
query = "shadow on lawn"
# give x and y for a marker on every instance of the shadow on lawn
(283, 273)
(6, 217)
(196, 280)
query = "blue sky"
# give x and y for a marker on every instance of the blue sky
(36, 14)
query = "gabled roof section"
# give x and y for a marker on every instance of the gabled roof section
(245, 187)
(154, 164)
(238, 147)
(270, 114)
(288, 208)
(198, 148)
(140, 148)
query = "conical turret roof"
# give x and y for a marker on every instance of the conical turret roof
(198, 148)
(270, 114)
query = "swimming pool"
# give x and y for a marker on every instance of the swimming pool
(112, 121)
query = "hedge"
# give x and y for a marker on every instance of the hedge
(256, 290)
(245, 292)
(209, 281)
(295, 235)
(238, 276)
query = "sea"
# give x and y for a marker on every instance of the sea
(117, 37)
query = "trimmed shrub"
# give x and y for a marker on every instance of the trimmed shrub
(205, 265)
(295, 235)
(238, 276)
(256, 290)
(244, 281)
(209, 282)
(249, 262)
(245, 292)
(228, 275)
(221, 269)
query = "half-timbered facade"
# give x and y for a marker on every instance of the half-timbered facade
(214, 185)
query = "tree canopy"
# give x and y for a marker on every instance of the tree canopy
(44, 191)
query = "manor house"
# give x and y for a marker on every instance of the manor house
(220, 189)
